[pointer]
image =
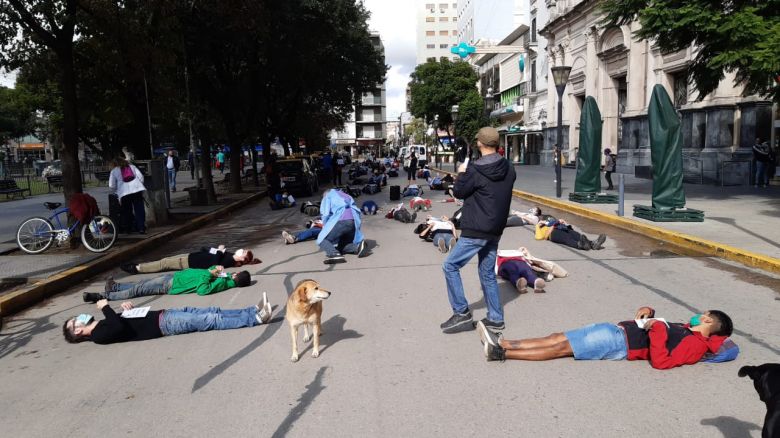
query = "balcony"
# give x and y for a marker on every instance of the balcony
(371, 101)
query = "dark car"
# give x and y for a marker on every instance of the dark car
(297, 176)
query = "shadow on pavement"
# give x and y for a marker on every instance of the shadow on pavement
(312, 391)
(333, 331)
(733, 223)
(731, 427)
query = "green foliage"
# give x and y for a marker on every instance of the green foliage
(17, 114)
(437, 86)
(471, 116)
(415, 131)
(742, 36)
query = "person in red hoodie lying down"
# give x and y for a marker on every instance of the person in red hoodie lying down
(665, 345)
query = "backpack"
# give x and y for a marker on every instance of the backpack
(370, 189)
(127, 174)
(369, 207)
(310, 208)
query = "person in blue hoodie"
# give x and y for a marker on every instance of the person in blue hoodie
(341, 227)
(485, 187)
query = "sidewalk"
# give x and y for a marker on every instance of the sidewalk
(18, 268)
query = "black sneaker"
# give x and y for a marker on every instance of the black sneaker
(458, 323)
(486, 336)
(334, 259)
(584, 243)
(91, 297)
(494, 353)
(362, 249)
(130, 268)
(599, 242)
(494, 326)
(110, 285)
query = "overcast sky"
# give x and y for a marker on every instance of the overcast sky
(395, 20)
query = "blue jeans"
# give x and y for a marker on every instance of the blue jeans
(201, 319)
(603, 341)
(463, 251)
(761, 175)
(172, 178)
(307, 234)
(446, 236)
(153, 286)
(339, 239)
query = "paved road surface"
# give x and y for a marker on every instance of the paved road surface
(385, 368)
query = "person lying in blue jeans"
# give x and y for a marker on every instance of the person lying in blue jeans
(312, 230)
(158, 323)
(665, 345)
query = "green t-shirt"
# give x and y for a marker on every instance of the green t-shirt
(199, 281)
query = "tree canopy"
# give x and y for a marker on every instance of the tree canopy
(742, 36)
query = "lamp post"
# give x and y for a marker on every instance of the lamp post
(454, 112)
(560, 77)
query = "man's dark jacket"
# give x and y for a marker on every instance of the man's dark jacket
(486, 190)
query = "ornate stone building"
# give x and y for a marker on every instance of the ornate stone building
(620, 72)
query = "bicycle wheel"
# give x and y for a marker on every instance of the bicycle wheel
(35, 235)
(99, 234)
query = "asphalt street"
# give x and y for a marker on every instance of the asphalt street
(385, 368)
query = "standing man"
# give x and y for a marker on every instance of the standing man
(191, 162)
(762, 157)
(172, 164)
(221, 161)
(486, 189)
(339, 158)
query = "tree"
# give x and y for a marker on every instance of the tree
(27, 27)
(742, 36)
(415, 132)
(471, 115)
(437, 86)
(17, 114)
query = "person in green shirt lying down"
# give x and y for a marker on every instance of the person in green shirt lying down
(199, 281)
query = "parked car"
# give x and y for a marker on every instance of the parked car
(298, 176)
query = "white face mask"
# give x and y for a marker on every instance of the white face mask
(240, 253)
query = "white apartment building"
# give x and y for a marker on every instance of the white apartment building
(488, 19)
(436, 30)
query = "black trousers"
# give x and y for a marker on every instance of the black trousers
(608, 176)
(569, 238)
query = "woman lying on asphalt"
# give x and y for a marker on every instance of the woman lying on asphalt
(153, 324)
(202, 259)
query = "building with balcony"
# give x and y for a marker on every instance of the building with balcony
(620, 72)
(436, 30)
(488, 19)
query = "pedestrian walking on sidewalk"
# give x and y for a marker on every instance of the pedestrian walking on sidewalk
(609, 167)
(172, 164)
(158, 323)
(127, 182)
(486, 189)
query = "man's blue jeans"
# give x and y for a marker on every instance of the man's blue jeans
(172, 178)
(153, 286)
(309, 233)
(761, 175)
(463, 251)
(201, 319)
(339, 239)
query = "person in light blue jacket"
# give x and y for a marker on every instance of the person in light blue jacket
(341, 227)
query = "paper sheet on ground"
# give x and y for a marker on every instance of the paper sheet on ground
(641, 322)
(136, 312)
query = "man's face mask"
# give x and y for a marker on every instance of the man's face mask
(84, 319)
(240, 253)
(695, 320)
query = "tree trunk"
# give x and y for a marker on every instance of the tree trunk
(205, 167)
(235, 158)
(255, 177)
(71, 171)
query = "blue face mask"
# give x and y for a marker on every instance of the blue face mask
(84, 319)
(695, 320)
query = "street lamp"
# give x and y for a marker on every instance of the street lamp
(560, 78)
(454, 112)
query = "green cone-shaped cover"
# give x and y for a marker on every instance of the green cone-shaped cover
(589, 156)
(665, 151)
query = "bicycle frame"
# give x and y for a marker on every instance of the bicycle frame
(55, 217)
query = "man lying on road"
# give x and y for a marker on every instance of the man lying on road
(158, 323)
(200, 281)
(665, 345)
(202, 259)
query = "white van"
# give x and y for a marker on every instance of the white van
(419, 150)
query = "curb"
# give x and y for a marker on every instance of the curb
(686, 241)
(27, 297)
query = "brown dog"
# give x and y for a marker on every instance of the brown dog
(304, 307)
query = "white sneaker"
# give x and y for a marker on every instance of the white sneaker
(264, 310)
(288, 238)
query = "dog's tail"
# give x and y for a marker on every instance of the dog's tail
(746, 371)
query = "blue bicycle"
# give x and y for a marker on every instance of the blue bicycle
(36, 234)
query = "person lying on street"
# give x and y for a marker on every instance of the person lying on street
(158, 323)
(666, 345)
(439, 230)
(312, 230)
(560, 232)
(203, 259)
(199, 281)
(519, 218)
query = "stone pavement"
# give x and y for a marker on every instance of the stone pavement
(740, 216)
(385, 368)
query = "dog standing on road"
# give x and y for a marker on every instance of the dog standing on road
(304, 307)
(766, 379)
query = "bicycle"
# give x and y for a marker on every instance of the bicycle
(36, 234)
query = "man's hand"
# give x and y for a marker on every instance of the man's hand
(221, 248)
(462, 168)
(101, 304)
(217, 270)
(127, 305)
(644, 312)
(649, 323)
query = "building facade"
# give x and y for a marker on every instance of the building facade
(620, 72)
(488, 19)
(436, 29)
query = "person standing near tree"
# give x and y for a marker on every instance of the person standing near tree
(486, 189)
(221, 161)
(172, 164)
(762, 157)
(128, 183)
(609, 167)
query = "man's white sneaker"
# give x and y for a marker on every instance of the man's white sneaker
(264, 310)
(288, 238)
